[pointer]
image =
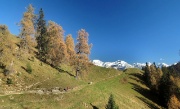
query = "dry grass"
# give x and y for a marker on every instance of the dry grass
(127, 87)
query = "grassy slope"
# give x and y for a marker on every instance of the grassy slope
(127, 87)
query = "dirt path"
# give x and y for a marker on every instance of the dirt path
(52, 90)
(28, 87)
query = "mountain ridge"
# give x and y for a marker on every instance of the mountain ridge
(121, 65)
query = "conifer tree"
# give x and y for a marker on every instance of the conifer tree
(41, 35)
(27, 28)
(56, 47)
(111, 103)
(82, 51)
(146, 73)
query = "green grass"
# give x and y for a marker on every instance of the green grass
(127, 86)
(97, 93)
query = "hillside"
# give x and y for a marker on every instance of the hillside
(128, 89)
(48, 88)
(48, 65)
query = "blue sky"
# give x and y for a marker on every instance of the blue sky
(129, 30)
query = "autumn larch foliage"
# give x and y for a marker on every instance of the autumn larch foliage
(6, 46)
(27, 28)
(164, 82)
(82, 46)
(173, 103)
(153, 76)
(7, 49)
(82, 51)
(70, 48)
(56, 47)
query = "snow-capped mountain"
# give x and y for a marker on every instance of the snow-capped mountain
(162, 65)
(140, 65)
(98, 63)
(121, 65)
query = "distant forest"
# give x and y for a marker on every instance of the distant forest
(165, 83)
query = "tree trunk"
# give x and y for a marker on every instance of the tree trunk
(77, 73)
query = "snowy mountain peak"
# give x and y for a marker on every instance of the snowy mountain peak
(162, 65)
(121, 65)
(98, 63)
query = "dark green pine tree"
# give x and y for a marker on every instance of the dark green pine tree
(41, 35)
(111, 103)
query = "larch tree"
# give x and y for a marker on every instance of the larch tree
(70, 49)
(56, 47)
(4, 44)
(159, 75)
(173, 103)
(155, 75)
(27, 28)
(152, 76)
(82, 50)
(7, 50)
(41, 35)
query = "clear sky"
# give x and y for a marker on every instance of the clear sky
(129, 30)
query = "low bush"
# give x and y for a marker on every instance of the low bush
(9, 81)
(28, 68)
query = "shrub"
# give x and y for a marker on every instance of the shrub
(6, 72)
(19, 73)
(4, 30)
(28, 68)
(9, 81)
(124, 80)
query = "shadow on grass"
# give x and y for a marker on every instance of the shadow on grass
(137, 80)
(145, 92)
(149, 104)
(63, 71)
(137, 77)
(57, 68)
(24, 68)
(94, 107)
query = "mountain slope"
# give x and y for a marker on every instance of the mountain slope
(48, 88)
(128, 90)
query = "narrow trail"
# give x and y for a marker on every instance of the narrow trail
(41, 91)
(28, 87)
(6, 93)
(75, 89)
